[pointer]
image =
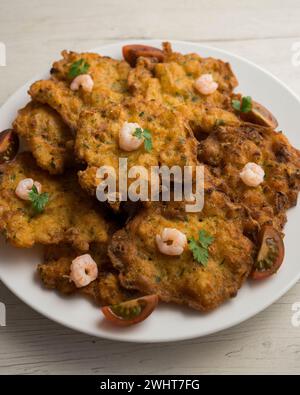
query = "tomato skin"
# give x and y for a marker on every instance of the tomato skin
(257, 275)
(268, 232)
(133, 51)
(260, 115)
(9, 145)
(148, 304)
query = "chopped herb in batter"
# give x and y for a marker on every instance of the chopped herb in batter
(219, 122)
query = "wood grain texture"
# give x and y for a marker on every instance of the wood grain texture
(34, 33)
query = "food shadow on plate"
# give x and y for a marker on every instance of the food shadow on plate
(11, 256)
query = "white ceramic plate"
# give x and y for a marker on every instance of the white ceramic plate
(167, 323)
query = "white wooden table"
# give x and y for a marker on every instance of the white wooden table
(34, 33)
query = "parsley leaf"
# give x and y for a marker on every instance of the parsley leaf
(199, 247)
(205, 238)
(138, 133)
(219, 122)
(244, 106)
(38, 200)
(146, 135)
(77, 68)
(200, 254)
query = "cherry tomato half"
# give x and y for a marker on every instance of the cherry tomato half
(132, 52)
(260, 115)
(9, 145)
(270, 255)
(132, 311)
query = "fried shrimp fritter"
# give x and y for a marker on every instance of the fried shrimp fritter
(174, 78)
(69, 216)
(173, 82)
(110, 85)
(181, 279)
(48, 138)
(97, 141)
(55, 274)
(228, 149)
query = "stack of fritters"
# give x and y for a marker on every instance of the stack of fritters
(70, 134)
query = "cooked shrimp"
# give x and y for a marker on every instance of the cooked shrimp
(252, 174)
(171, 241)
(25, 186)
(206, 85)
(127, 141)
(84, 270)
(85, 81)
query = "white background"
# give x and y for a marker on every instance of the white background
(34, 33)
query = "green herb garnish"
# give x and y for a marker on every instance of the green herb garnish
(243, 106)
(219, 122)
(146, 135)
(199, 247)
(38, 200)
(77, 68)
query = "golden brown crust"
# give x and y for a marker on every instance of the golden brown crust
(48, 138)
(180, 279)
(70, 215)
(172, 82)
(97, 140)
(228, 149)
(195, 65)
(54, 272)
(174, 78)
(58, 96)
(110, 85)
